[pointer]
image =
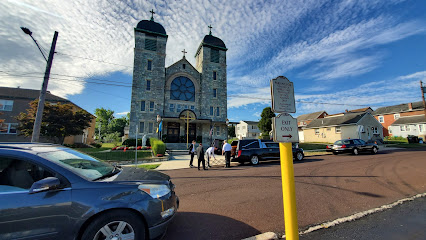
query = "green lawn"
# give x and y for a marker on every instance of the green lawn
(149, 166)
(312, 146)
(408, 145)
(91, 150)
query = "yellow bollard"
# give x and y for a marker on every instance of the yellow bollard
(289, 192)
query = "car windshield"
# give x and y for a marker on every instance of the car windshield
(78, 163)
(341, 142)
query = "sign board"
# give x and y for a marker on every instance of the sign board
(284, 128)
(282, 91)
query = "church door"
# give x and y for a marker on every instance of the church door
(173, 129)
(192, 132)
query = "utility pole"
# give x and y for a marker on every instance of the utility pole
(37, 123)
(423, 96)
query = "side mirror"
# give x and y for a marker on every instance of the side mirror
(45, 184)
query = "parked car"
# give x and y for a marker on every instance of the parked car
(354, 146)
(52, 192)
(256, 150)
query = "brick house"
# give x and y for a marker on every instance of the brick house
(13, 101)
(388, 115)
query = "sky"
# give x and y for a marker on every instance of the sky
(339, 54)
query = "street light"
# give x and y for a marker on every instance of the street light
(37, 123)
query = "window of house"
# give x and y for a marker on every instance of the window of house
(395, 116)
(238, 128)
(151, 44)
(381, 119)
(8, 128)
(148, 85)
(244, 127)
(143, 106)
(182, 88)
(179, 108)
(193, 108)
(171, 107)
(317, 132)
(211, 111)
(421, 128)
(184, 66)
(217, 130)
(253, 134)
(214, 55)
(375, 130)
(328, 129)
(150, 127)
(217, 111)
(149, 65)
(6, 105)
(407, 127)
(214, 92)
(338, 130)
(214, 75)
(141, 127)
(402, 128)
(151, 106)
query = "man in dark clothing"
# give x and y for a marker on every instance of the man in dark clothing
(200, 155)
(192, 152)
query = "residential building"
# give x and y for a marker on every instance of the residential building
(305, 119)
(334, 127)
(388, 115)
(247, 129)
(409, 125)
(13, 101)
(178, 93)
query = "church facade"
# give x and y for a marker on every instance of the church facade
(191, 101)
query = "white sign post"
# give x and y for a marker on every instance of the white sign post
(285, 128)
(282, 91)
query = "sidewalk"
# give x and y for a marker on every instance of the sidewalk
(182, 161)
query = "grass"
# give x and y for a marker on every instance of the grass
(312, 146)
(149, 166)
(409, 145)
(91, 150)
(317, 153)
(108, 145)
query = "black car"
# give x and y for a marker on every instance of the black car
(354, 146)
(256, 150)
(53, 192)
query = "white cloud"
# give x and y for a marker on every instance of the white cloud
(122, 113)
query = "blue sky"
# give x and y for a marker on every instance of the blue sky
(339, 54)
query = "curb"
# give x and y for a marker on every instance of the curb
(264, 236)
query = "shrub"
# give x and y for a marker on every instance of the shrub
(131, 142)
(158, 146)
(96, 145)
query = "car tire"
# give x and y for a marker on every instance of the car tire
(299, 156)
(374, 150)
(123, 223)
(355, 151)
(254, 159)
(335, 153)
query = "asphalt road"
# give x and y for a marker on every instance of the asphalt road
(243, 201)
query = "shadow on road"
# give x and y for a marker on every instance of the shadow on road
(192, 225)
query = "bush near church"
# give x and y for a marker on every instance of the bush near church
(158, 146)
(131, 142)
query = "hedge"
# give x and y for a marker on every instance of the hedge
(158, 146)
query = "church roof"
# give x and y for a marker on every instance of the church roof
(151, 27)
(214, 41)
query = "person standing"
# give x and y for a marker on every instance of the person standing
(227, 150)
(200, 155)
(192, 152)
(210, 153)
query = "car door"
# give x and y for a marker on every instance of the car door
(273, 150)
(31, 216)
(363, 146)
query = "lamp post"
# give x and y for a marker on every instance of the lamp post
(37, 123)
(227, 122)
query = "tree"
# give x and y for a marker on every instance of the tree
(59, 121)
(103, 119)
(231, 131)
(265, 123)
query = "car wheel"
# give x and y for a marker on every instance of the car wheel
(116, 225)
(299, 156)
(335, 153)
(355, 151)
(254, 160)
(374, 150)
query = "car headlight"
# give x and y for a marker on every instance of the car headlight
(155, 190)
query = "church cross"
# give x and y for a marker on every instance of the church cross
(152, 14)
(184, 53)
(210, 31)
(187, 118)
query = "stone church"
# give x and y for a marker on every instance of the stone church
(189, 100)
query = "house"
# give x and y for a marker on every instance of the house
(247, 129)
(409, 125)
(334, 127)
(305, 119)
(13, 101)
(388, 115)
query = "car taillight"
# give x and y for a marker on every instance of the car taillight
(343, 146)
(327, 147)
(239, 153)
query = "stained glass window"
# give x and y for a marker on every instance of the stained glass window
(182, 88)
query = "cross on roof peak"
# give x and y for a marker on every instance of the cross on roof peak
(210, 31)
(184, 53)
(152, 14)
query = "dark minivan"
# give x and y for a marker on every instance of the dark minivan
(52, 192)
